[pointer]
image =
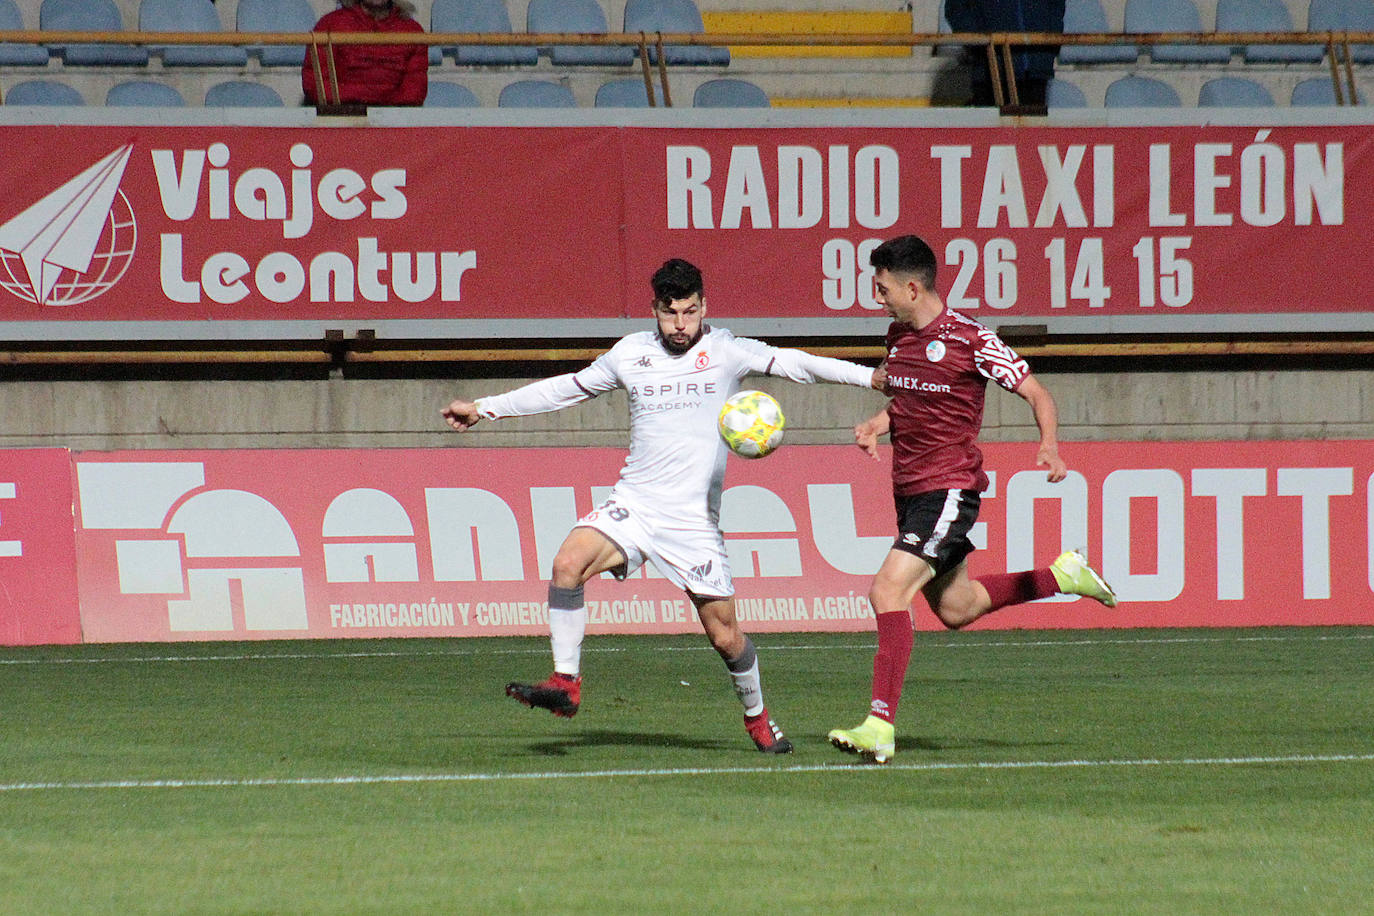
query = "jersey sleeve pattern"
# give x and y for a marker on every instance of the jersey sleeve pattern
(999, 362)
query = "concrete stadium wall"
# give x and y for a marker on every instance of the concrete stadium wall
(360, 413)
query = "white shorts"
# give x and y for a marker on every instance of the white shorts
(692, 558)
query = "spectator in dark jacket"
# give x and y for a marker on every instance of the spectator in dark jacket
(390, 74)
(1033, 65)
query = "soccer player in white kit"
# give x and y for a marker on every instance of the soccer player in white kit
(665, 507)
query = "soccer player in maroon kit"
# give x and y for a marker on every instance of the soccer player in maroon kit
(938, 364)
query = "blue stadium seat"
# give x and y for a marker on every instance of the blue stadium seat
(576, 16)
(1141, 92)
(1060, 93)
(1233, 92)
(1264, 16)
(89, 16)
(673, 16)
(13, 54)
(188, 16)
(730, 93)
(276, 16)
(1344, 16)
(143, 93)
(536, 94)
(449, 95)
(1316, 91)
(627, 93)
(43, 92)
(1173, 16)
(483, 17)
(1087, 16)
(239, 94)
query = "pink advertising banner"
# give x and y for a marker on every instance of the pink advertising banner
(458, 542)
(37, 551)
(238, 224)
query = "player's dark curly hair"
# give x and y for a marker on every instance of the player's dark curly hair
(906, 254)
(676, 279)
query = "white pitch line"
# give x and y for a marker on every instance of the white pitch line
(964, 644)
(413, 778)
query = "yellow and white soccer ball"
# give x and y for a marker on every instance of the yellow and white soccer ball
(751, 423)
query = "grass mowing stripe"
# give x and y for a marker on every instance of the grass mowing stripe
(962, 643)
(394, 778)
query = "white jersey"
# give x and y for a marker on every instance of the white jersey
(677, 459)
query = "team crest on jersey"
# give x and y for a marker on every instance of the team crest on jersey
(935, 351)
(703, 360)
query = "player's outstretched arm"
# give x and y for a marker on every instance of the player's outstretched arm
(866, 434)
(1047, 419)
(461, 414)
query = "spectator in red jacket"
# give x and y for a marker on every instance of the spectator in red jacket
(385, 74)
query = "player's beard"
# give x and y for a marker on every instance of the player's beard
(677, 349)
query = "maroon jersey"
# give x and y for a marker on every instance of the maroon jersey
(937, 377)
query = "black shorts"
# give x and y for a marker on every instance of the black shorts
(934, 526)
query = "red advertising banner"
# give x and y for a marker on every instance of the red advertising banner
(37, 551)
(458, 542)
(277, 224)
(1026, 222)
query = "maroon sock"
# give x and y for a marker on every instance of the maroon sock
(895, 637)
(1019, 587)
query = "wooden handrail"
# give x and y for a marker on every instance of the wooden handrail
(715, 39)
(345, 352)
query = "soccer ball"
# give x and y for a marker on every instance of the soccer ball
(751, 423)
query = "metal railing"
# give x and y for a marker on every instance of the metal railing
(998, 46)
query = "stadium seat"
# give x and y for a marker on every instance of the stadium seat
(188, 16)
(1233, 92)
(14, 54)
(673, 16)
(1316, 91)
(1141, 92)
(730, 93)
(627, 93)
(1173, 16)
(239, 94)
(1087, 16)
(576, 16)
(484, 17)
(276, 16)
(143, 93)
(43, 92)
(536, 94)
(89, 16)
(1264, 16)
(1344, 16)
(1060, 93)
(449, 95)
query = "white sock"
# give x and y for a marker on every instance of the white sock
(749, 689)
(744, 672)
(566, 628)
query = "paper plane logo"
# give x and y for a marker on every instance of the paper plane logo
(75, 243)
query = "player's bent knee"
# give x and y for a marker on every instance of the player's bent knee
(568, 571)
(955, 618)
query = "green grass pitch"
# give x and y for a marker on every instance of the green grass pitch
(1151, 771)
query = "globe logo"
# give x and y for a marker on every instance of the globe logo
(75, 243)
(111, 259)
